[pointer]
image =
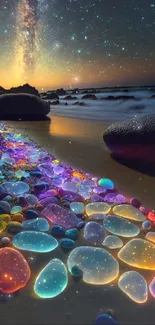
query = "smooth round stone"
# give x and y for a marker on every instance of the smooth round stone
(31, 199)
(21, 173)
(152, 288)
(151, 216)
(144, 210)
(76, 272)
(17, 188)
(59, 216)
(42, 186)
(16, 209)
(67, 243)
(97, 216)
(112, 242)
(146, 225)
(134, 286)
(35, 241)
(8, 198)
(14, 227)
(151, 236)
(119, 226)
(138, 253)
(38, 224)
(69, 186)
(36, 174)
(72, 233)
(49, 193)
(135, 202)
(129, 212)
(72, 197)
(97, 207)
(14, 272)
(105, 319)
(77, 207)
(94, 233)
(52, 280)
(58, 170)
(96, 198)
(99, 190)
(85, 195)
(120, 199)
(110, 197)
(106, 183)
(81, 225)
(97, 264)
(5, 218)
(5, 207)
(48, 201)
(5, 241)
(57, 231)
(21, 200)
(30, 214)
(17, 217)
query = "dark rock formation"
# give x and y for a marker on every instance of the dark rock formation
(23, 106)
(132, 139)
(79, 103)
(70, 97)
(51, 96)
(61, 92)
(75, 91)
(153, 96)
(118, 97)
(89, 96)
(137, 107)
(25, 89)
(56, 102)
(66, 104)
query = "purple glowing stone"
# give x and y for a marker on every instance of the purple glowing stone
(120, 199)
(144, 210)
(49, 193)
(72, 197)
(135, 202)
(97, 198)
(110, 197)
(152, 288)
(99, 190)
(59, 216)
(48, 200)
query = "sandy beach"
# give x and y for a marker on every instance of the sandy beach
(79, 143)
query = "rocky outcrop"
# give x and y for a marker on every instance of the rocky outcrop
(51, 96)
(23, 106)
(118, 97)
(25, 89)
(70, 98)
(61, 92)
(55, 102)
(90, 97)
(132, 139)
(75, 91)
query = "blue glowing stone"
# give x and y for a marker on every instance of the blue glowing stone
(31, 199)
(105, 319)
(52, 280)
(57, 231)
(146, 225)
(121, 227)
(106, 183)
(67, 243)
(5, 207)
(94, 233)
(38, 224)
(17, 188)
(77, 208)
(72, 233)
(34, 241)
(112, 242)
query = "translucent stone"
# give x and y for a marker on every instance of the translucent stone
(17, 188)
(110, 197)
(112, 242)
(129, 212)
(58, 170)
(21, 173)
(97, 207)
(16, 209)
(49, 193)
(134, 286)
(146, 225)
(138, 253)
(52, 280)
(14, 270)
(121, 227)
(69, 186)
(77, 207)
(97, 216)
(97, 264)
(38, 224)
(106, 183)
(35, 241)
(152, 288)
(94, 233)
(72, 197)
(105, 319)
(31, 199)
(48, 200)
(151, 236)
(59, 216)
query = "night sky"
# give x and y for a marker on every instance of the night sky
(77, 43)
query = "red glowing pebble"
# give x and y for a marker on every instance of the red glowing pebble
(151, 216)
(14, 270)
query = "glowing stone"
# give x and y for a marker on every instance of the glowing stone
(52, 280)
(129, 212)
(59, 216)
(134, 286)
(17, 188)
(38, 224)
(151, 236)
(146, 225)
(138, 253)
(35, 241)
(112, 242)
(48, 200)
(21, 173)
(97, 216)
(105, 319)
(5, 207)
(94, 233)
(77, 207)
(14, 270)
(106, 183)
(98, 265)
(69, 186)
(121, 227)
(152, 288)
(72, 196)
(97, 207)
(31, 199)
(16, 209)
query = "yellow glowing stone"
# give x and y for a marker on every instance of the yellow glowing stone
(128, 212)
(138, 253)
(5, 218)
(151, 236)
(97, 207)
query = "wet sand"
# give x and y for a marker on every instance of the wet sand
(80, 144)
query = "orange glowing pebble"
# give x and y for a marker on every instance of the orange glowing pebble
(17, 217)
(78, 174)
(14, 270)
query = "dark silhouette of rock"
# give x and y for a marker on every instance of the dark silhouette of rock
(61, 92)
(90, 96)
(118, 98)
(51, 96)
(75, 91)
(79, 103)
(25, 89)
(137, 107)
(23, 106)
(85, 92)
(66, 104)
(153, 96)
(69, 97)
(132, 139)
(56, 102)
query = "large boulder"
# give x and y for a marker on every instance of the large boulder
(132, 139)
(25, 89)
(23, 106)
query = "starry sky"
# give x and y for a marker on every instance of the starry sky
(77, 43)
